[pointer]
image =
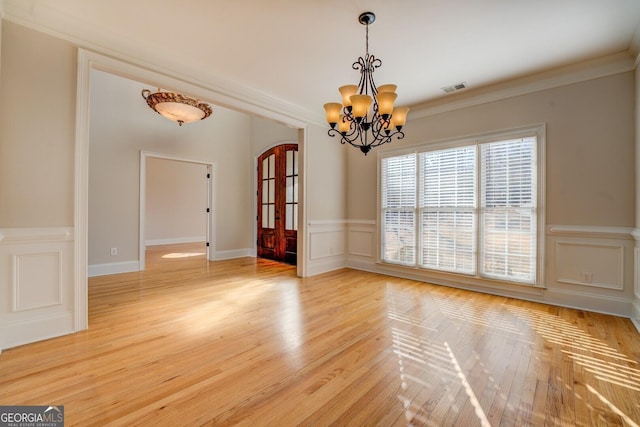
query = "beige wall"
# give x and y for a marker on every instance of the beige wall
(637, 147)
(325, 175)
(37, 118)
(267, 133)
(122, 125)
(175, 201)
(590, 149)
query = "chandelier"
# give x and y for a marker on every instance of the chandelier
(177, 107)
(355, 121)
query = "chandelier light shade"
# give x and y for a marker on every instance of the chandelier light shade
(367, 117)
(176, 107)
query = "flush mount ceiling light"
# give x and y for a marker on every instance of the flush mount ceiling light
(176, 107)
(358, 122)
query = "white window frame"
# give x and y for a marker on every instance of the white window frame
(539, 131)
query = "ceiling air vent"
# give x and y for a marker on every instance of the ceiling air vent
(455, 87)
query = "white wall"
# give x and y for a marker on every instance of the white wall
(176, 201)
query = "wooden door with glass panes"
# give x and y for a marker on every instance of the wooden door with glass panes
(278, 203)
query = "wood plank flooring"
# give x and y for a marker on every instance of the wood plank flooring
(246, 342)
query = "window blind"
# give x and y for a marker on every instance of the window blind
(398, 181)
(508, 209)
(447, 205)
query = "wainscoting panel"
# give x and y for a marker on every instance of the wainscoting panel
(326, 246)
(591, 268)
(590, 264)
(361, 243)
(635, 309)
(37, 280)
(36, 284)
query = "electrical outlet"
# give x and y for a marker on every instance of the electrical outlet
(114, 251)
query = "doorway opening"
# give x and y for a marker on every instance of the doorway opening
(277, 219)
(89, 61)
(176, 212)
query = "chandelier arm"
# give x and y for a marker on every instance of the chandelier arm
(344, 138)
(379, 135)
(389, 138)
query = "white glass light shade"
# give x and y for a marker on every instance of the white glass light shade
(333, 111)
(178, 112)
(385, 102)
(387, 88)
(347, 91)
(360, 105)
(399, 116)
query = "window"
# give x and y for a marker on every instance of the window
(469, 208)
(399, 201)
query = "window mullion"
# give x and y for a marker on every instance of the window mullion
(418, 204)
(479, 211)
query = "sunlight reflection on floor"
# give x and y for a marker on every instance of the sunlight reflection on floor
(182, 255)
(435, 375)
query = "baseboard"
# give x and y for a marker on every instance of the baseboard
(325, 265)
(175, 240)
(635, 313)
(362, 263)
(581, 301)
(234, 253)
(113, 268)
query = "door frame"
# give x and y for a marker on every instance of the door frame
(299, 258)
(210, 233)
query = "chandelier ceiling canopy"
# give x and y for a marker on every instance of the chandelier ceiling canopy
(176, 107)
(366, 118)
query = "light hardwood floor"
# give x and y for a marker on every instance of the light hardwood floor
(246, 342)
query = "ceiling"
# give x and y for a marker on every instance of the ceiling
(297, 53)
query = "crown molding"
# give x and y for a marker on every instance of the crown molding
(226, 93)
(562, 76)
